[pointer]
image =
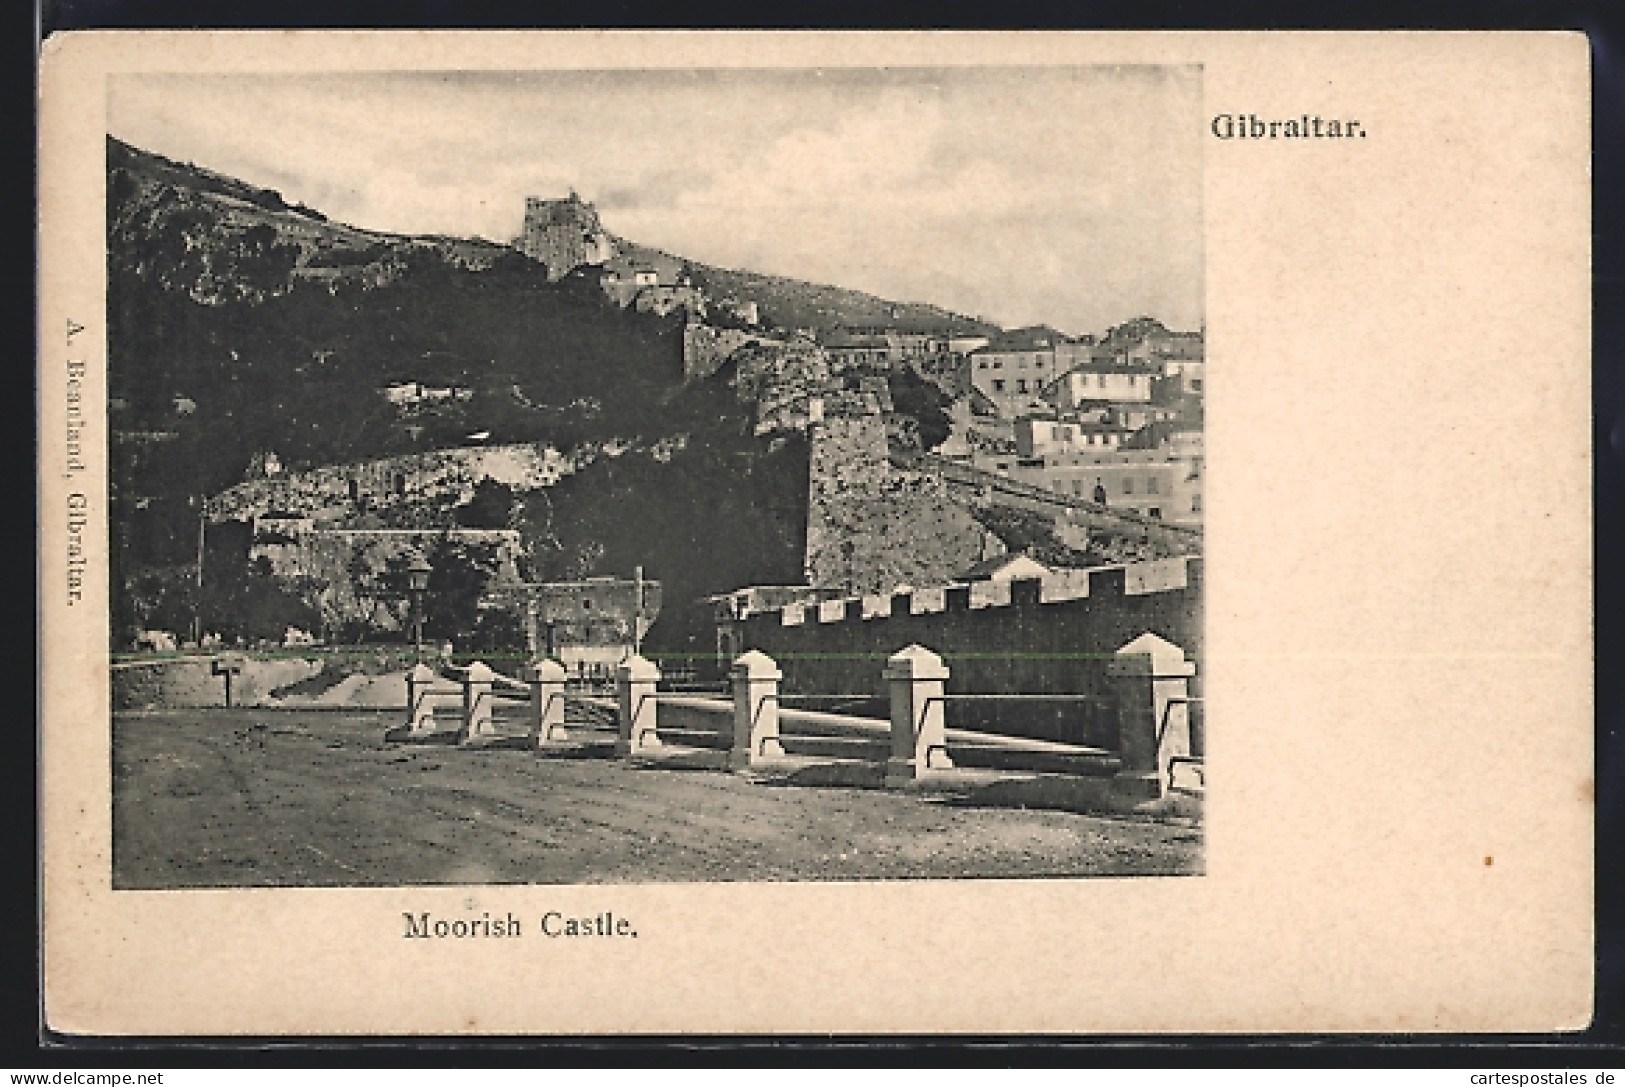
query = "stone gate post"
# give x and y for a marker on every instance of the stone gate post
(546, 679)
(420, 683)
(1150, 678)
(635, 680)
(915, 677)
(756, 710)
(477, 683)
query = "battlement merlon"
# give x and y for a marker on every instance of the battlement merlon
(1182, 573)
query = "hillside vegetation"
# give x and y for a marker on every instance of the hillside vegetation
(240, 326)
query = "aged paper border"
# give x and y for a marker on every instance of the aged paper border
(1398, 606)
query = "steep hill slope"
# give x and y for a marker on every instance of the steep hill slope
(794, 303)
(217, 238)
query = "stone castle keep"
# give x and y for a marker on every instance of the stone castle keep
(563, 234)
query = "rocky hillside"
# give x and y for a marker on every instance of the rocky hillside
(218, 239)
(796, 304)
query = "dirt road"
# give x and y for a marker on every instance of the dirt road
(232, 798)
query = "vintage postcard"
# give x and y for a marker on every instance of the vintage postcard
(564, 533)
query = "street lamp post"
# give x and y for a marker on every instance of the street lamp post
(417, 582)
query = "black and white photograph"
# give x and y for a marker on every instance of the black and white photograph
(655, 476)
(654, 533)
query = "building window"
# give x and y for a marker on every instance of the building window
(1054, 433)
(1196, 503)
(1150, 484)
(355, 490)
(998, 386)
(998, 364)
(982, 365)
(1154, 511)
(586, 603)
(1077, 486)
(1128, 484)
(1021, 385)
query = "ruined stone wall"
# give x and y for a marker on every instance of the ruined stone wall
(346, 570)
(346, 490)
(706, 348)
(872, 526)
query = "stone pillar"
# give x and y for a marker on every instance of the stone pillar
(756, 710)
(546, 679)
(420, 682)
(477, 683)
(635, 680)
(915, 677)
(1150, 677)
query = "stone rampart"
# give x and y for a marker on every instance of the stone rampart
(1054, 635)
(981, 487)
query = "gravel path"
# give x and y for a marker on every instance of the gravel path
(230, 798)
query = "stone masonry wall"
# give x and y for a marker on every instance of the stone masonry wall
(706, 348)
(1054, 635)
(872, 526)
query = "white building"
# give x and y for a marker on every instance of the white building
(1100, 380)
(1038, 437)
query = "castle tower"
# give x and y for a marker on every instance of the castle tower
(563, 234)
(871, 525)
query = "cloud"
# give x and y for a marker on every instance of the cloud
(887, 158)
(1068, 196)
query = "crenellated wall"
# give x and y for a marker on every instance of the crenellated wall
(1053, 635)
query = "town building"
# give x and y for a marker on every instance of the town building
(1013, 371)
(1041, 437)
(1103, 380)
(1154, 483)
(847, 348)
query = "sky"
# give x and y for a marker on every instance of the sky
(1068, 196)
